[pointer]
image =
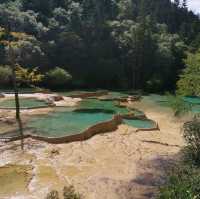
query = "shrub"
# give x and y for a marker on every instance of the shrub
(57, 77)
(189, 82)
(183, 183)
(68, 193)
(5, 75)
(178, 105)
(191, 133)
(27, 76)
(53, 195)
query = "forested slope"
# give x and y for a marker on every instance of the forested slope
(137, 44)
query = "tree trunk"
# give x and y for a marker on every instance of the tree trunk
(17, 105)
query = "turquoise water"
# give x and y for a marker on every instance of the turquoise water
(89, 112)
(106, 105)
(21, 90)
(140, 123)
(196, 109)
(67, 123)
(24, 103)
(156, 98)
(163, 101)
(192, 100)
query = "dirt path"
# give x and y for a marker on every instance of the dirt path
(117, 165)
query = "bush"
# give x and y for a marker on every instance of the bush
(191, 133)
(183, 183)
(68, 193)
(53, 195)
(178, 105)
(57, 77)
(5, 75)
(189, 82)
(28, 77)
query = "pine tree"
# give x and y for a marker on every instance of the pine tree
(184, 4)
(177, 3)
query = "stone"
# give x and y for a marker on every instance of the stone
(2, 95)
(50, 102)
(58, 98)
(134, 98)
(54, 152)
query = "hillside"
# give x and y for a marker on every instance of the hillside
(136, 44)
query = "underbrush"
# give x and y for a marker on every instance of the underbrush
(184, 179)
(183, 183)
(68, 193)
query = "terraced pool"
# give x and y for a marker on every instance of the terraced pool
(105, 105)
(62, 123)
(162, 100)
(89, 112)
(24, 103)
(71, 121)
(144, 124)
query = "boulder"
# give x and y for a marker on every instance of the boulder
(50, 102)
(54, 152)
(2, 95)
(134, 98)
(57, 98)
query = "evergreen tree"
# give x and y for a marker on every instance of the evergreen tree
(177, 3)
(184, 4)
(114, 39)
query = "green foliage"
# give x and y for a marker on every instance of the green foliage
(57, 77)
(191, 133)
(28, 77)
(114, 43)
(53, 195)
(18, 47)
(183, 183)
(25, 48)
(189, 83)
(184, 179)
(178, 105)
(5, 76)
(68, 193)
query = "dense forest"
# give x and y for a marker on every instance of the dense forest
(137, 44)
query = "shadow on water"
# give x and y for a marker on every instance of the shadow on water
(93, 111)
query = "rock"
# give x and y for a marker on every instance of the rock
(54, 152)
(50, 102)
(2, 95)
(123, 99)
(57, 98)
(134, 98)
